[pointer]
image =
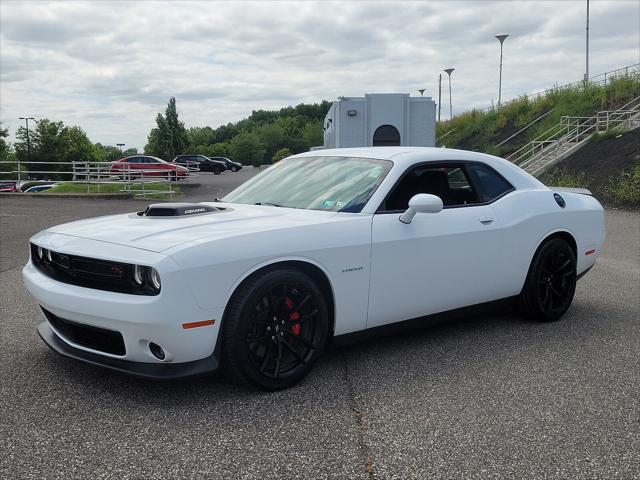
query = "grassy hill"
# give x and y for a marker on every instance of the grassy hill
(483, 130)
(609, 166)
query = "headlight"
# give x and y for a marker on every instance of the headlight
(48, 254)
(138, 274)
(154, 276)
(40, 253)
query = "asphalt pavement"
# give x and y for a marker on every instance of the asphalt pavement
(487, 397)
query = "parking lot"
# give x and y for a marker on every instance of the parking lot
(486, 397)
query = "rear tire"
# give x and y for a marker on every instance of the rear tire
(234, 169)
(550, 284)
(274, 330)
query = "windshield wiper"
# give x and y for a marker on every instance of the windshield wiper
(268, 204)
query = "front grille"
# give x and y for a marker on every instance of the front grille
(90, 273)
(100, 339)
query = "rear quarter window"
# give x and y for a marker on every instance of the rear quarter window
(490, 185)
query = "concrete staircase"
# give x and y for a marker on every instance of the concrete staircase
(570, 134)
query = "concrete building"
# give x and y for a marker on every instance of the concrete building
(381, 119)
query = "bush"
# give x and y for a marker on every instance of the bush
(558, 177)
(606, 135)
(625, 188)
(280, 154)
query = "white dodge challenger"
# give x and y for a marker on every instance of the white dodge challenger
(321, 247)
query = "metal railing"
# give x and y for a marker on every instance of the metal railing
(95, 175)
(571, 133)
(632, 71)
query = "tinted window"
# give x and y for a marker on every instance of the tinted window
(490, 184)
(449, 182)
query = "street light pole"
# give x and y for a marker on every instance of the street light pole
(439, 95)
(501, 40)
(586, 74)
(26, 121)
(449, 72)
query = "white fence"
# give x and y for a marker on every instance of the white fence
(95, 176)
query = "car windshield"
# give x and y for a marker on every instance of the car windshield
(338, 184)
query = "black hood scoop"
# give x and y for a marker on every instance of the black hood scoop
(178, 210)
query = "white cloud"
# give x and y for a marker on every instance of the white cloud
(110, 67)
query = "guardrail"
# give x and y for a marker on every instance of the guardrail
(569, 134)
(94, 175)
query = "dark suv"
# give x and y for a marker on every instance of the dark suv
(230, 165)
(205, 164)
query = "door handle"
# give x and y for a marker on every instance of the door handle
(486, 220)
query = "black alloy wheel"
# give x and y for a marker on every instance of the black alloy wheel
(274, 329)
(550, 283)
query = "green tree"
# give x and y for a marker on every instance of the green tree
(6, 155)
(199, 136)
(280, 154)
(247, 149)
(129, 152)
(312, 134)
(272, 138)
(107, 153)
(169, 138)
(51, 143)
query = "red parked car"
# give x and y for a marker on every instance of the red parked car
(10, 187)
(138, 165)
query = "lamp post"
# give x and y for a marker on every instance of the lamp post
(501, 40)
(121, 146)
(26, 121)
(421, 90)
(586, 73)
(449, 72)
(439, 95)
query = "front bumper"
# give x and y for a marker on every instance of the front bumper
(155, 371)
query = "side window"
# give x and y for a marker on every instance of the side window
(490, 184)
(447, 181)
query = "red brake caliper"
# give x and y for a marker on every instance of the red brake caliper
(293, 316)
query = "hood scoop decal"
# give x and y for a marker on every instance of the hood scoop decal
(178, 209)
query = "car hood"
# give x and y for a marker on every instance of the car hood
(157, 234)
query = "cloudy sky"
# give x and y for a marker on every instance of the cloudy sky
(110, 67)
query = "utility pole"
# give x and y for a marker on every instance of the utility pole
(449, 72)
(586, 74)
(501, 40)
(26, 121)
(439, 95)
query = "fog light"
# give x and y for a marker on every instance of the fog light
(156, 350)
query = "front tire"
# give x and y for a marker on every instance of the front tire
(551, 282)
(274, 330)
(216, 171)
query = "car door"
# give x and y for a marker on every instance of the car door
(439, 261)
(203, 163)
